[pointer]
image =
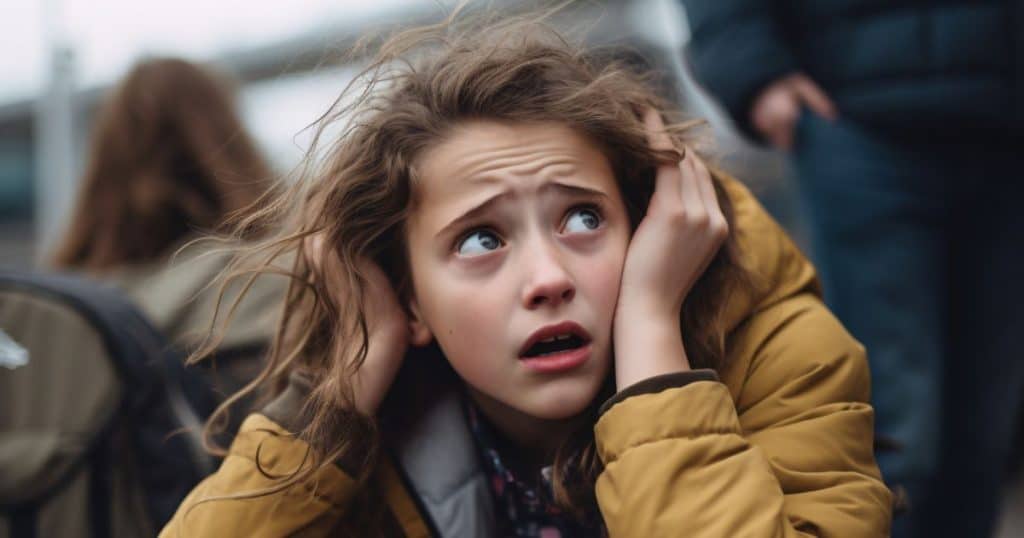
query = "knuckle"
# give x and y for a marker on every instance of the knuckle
(676, 216)
(670, 210)
(699, 219)
(720, 228)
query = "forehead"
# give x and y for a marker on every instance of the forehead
(517, 156)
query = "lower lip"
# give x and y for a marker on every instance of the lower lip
(558, 362)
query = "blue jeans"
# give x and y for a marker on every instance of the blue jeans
(921, 252)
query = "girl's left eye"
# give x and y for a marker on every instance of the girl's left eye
(478, 242)
(582, 219)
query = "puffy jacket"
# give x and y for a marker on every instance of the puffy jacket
(778, 443)
(931, 68)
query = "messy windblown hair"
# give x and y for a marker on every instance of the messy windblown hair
(356, 192)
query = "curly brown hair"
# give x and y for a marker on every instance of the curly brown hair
(421, 84)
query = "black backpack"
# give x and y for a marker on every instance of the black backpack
(99, 419)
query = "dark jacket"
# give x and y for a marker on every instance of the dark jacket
(917, 67)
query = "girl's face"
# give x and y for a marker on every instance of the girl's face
(518, 237)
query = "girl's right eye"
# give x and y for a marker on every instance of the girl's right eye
(478, 242)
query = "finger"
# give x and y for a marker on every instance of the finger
(717, 225)
(777, 120)
(667, 182)
(375, 277)
(706, 188)
(312, 249)
(689, 188)
(764, 119)
(666, 179)
(657, 136)
(815, 98)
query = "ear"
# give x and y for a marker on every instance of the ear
(419, 334)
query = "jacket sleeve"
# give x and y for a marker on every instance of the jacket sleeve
(789, 455)
(736, 48)
(310, 508)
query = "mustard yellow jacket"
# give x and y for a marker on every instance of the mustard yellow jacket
(780, 445)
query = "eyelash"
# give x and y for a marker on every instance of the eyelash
(596, 208)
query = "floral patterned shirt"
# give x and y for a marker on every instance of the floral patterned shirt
(524, 509)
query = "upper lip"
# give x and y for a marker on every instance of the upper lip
(565, 327)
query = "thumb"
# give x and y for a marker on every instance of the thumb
(814, 97)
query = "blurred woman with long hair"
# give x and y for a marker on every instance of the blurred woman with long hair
(170, 160)
(169, 156)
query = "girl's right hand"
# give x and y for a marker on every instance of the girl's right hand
(675, 242)
(386, 323)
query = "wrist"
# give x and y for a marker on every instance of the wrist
(647, 345)
(654, 310)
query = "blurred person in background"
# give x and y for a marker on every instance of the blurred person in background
(169, 160)
(903, 120)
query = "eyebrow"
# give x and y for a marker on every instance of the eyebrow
(486, 205)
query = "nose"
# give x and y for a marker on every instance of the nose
(549, 281)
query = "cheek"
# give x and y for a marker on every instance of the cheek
(466, 320)
(603, 277)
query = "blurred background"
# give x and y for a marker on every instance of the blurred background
(62, 56)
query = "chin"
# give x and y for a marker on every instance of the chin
(560, 401)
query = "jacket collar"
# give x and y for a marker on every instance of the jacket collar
(439, 460)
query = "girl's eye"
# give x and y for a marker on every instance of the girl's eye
(582, 219)
(478, 242)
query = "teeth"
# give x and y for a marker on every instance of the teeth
(556, 338)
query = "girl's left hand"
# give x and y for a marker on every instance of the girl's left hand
(673, 245)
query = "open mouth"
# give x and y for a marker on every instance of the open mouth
(556, 344)
(555, 339)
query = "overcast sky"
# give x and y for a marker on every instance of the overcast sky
(108, 35)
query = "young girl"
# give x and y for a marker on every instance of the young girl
(522, 306)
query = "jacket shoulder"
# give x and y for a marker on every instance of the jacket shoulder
(244, 498)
